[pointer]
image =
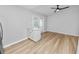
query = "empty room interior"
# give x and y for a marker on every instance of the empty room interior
(39, 29)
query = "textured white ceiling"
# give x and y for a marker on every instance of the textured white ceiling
(42, 9)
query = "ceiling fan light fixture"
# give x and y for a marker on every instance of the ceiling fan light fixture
(57, 10)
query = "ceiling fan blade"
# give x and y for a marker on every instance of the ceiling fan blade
(55, 11)
(64, 8)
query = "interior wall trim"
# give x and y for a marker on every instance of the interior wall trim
(76, 35)
(14, 43)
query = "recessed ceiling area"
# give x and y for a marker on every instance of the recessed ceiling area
(42, 9)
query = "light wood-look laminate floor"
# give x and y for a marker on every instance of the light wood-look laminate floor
(50, 42)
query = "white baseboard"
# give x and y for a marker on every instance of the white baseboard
(64, 33)
(14, 43)
(77, 52)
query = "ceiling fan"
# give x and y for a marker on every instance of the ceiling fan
(58, 8)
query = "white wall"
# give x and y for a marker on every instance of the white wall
(66, 21)
(15, 21)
